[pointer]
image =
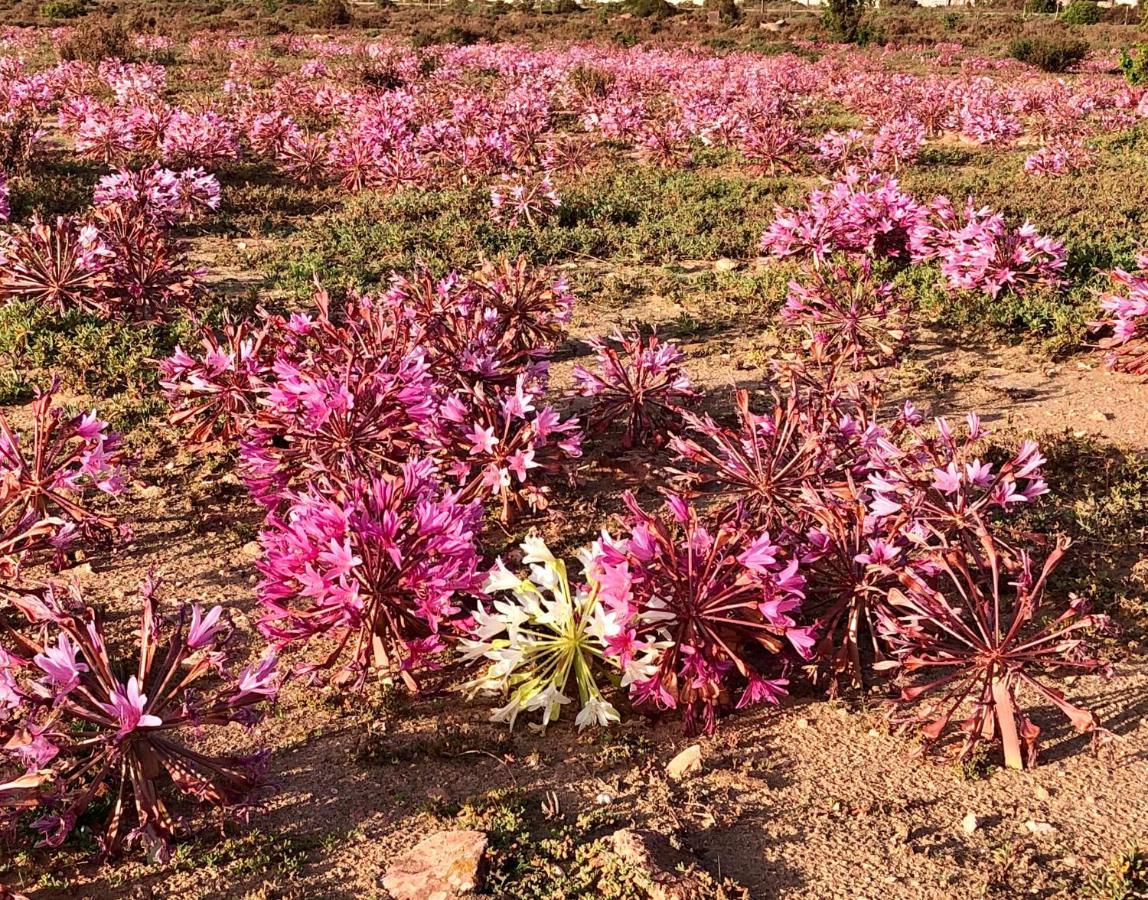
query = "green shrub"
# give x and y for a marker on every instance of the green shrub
(649, 9)
(1052, 54)
(1125, 877)
(89, 353)
(1046, 7)
(729, 13)
(843, 19)
(634, 214)
(1082, 12)
(1134, 64)
(451, 34)
(329, 14)
(58, 10)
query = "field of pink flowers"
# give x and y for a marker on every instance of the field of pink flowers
(403, 440)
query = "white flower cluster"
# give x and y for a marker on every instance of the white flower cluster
(543, 641)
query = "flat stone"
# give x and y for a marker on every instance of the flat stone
(444, 866)
(686, 763)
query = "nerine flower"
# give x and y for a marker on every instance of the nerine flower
(1125, 318)
(979, 634)
(78, 732)
(702, 607)
(846, 316)
(375, 566)
(642, 384)
(47, 483)
(545, 641)
(502, 444)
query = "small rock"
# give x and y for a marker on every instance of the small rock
(725, 264)
(150, 491)
(251, 550)
(441, 867)
(1098, 415)
(1041, 793)
(802, 723)
(1039, 828)
(969, 823)
(686, 763)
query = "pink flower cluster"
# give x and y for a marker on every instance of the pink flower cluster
(1060, 158)
(373, 115)
(693, 601)
(120, 260)
(873, 217)
(375, 566)
(451, 369)
(867, 215)
(73, 730)
(983, 254)
(374, 441)
(47, 483)
(160, 194)
(640, 381)
(845, 316)
(1125, 318)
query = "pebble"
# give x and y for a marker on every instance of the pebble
(686, 763)
(1040, 829)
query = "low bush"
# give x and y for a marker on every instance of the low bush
(1134, 64)
(329, 14)
(1052, 54)
(649, 9)
(843, 19)
(1082, 12)
(93, 355)
(729, 13)
(58, 10)
(96, 39)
